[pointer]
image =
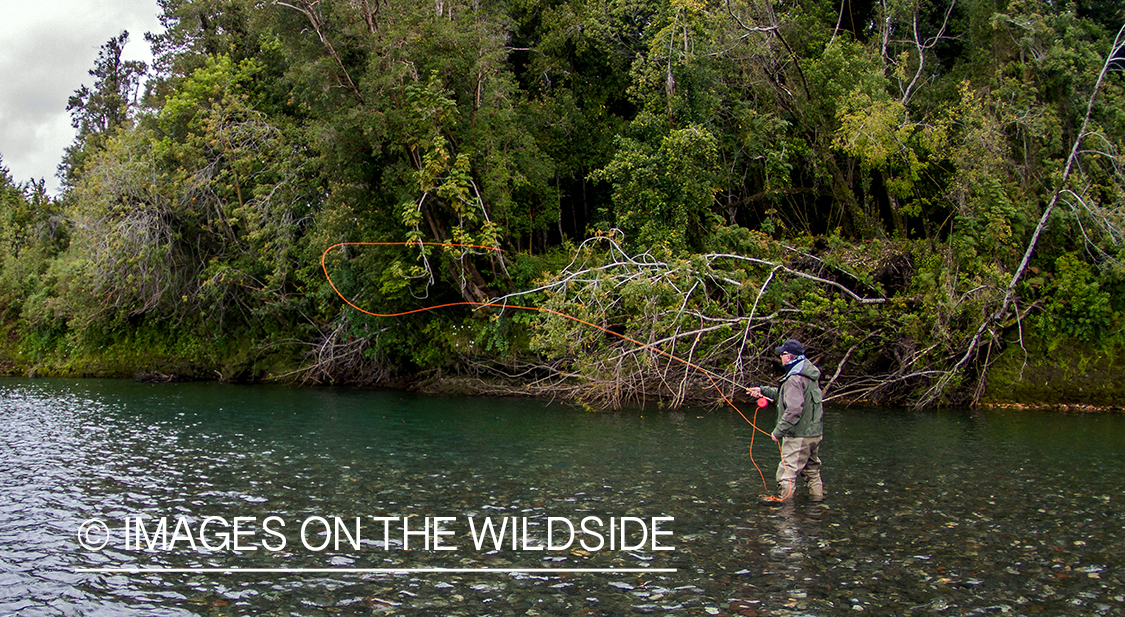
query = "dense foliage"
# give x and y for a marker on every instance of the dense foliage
(910, 187)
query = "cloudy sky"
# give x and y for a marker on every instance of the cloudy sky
(47, 48)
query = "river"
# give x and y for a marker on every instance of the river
(948, 512)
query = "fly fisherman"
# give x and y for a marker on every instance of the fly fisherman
(800, 426)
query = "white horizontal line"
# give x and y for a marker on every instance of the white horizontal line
(363, 570)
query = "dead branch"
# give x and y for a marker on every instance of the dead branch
(308, 10)
(853, 295)
(922, 47)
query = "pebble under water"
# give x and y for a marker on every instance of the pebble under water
(928, 513)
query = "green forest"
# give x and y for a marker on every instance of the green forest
(929, 195)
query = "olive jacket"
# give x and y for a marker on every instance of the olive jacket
(800, 408)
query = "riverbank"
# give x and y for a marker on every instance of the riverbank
(1064, 379)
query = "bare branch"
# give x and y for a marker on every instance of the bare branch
(307, 9)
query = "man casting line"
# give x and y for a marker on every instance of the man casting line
(800, 427)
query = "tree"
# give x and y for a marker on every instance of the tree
(32, 232)
(97, 111)
(662, 191)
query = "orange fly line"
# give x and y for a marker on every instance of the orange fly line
(504, 305)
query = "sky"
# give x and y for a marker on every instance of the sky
(47, 48)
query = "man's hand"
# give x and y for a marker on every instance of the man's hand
(755, 392)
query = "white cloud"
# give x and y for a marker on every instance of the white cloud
(47, 48)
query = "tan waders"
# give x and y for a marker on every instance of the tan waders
(800, 456)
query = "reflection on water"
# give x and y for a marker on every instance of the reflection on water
(942, 513)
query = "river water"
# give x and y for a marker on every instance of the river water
(936, 513)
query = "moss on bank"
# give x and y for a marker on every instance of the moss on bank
(1068, 376)
(145, 352)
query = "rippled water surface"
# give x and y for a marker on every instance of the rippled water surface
(936, 513)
